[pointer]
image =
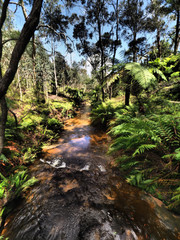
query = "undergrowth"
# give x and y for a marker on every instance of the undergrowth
(148, 149)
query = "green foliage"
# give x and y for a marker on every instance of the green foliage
(102, 115)
(31, 121)
(138, 179)
(95, 97)
(76, 95)
(64, 108)
(140, 74)
(15, 184)
(54, 124)
(148, 145)
(158, 73)
(12, 132)
(3, 238)
(29, 155)
(175, 199)
(169, 66)
(3, 158)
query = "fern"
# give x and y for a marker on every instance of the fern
(3, 158)
(15, 183)
(143, 148)
(102, 114)
(158, 72)
(140, 74)
(175, 199)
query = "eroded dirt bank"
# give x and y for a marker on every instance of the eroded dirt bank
(79, 197)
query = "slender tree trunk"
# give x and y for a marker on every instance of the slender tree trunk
(3, 119)
(54, 65)
(117, 31)
(19, 84)
(176, 45)
(127, 95)
(55, 75)
(158, 43)
(134, 48)
(102, 59)
(34, 58)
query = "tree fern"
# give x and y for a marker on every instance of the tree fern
(140, 74)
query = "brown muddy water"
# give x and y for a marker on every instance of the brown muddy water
(80, 197)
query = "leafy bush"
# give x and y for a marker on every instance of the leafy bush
(76, 95)
(30, 122)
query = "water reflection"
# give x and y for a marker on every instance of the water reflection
(80, 143)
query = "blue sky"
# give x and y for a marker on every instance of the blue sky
(19, 21)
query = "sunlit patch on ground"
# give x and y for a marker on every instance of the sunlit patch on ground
(68, 185)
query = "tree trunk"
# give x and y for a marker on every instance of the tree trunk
(3, 119)
(176, 45)
(102, 58)
(117, 31)
(134, 48)
(127, 95)
(25, 36)
(158, 43)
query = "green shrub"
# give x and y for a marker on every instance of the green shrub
(76, 95)
(54, 124)
(30, 122)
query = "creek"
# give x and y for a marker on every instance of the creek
(80, 196)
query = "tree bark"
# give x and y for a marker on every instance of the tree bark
(158, 44)
(127, 95)
(102, 58)
(117, 31)
(176, 45)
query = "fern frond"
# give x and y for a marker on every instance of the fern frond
(158, 72)
(140, 74)
(144, 147)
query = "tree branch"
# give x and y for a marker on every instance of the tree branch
(23, 8)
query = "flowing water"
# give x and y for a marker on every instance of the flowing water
(80, 197)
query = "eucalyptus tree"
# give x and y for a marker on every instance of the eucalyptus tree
(173, 8)
(157, 23)
(27, 32)
(95, 34)
(134, 21)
